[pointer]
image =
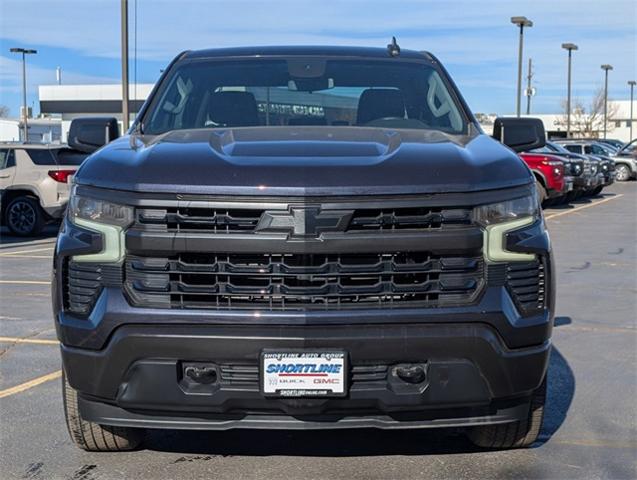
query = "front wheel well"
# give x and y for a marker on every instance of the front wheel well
(539, 178)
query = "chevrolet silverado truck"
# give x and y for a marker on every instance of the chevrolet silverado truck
(305, 238)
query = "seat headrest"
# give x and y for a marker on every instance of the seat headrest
(233, 109)
(375, 103)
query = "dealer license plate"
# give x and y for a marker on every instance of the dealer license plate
(303, 373)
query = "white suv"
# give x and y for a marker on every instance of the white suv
(34, 184)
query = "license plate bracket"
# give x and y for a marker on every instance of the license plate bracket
(316, 373)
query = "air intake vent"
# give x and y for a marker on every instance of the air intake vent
(82, 286)
(527, 285)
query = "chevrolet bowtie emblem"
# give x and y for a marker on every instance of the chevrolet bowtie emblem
(304, 221)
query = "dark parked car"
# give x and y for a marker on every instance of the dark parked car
(305, 238)
(595, 151)
(615, 144)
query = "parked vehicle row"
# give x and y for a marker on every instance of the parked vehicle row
(563, 175)
(623, 155)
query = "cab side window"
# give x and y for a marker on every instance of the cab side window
(573, 148)
(7, 159)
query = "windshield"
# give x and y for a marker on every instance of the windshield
(323, 92)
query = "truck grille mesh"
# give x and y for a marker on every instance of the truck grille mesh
(240, 220)
(302, 281)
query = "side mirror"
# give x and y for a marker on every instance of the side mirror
(88, 134)
(520, 134)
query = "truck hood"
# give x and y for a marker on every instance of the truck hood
(304, 161)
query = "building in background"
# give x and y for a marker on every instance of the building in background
(555, 123)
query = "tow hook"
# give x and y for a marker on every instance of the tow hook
(204, 374)
(411, 373)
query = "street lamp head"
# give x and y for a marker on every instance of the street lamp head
(521, 21)
(569, 46)
(606, 67)
(632, 83)
(22, 50)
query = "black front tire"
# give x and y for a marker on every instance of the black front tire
(597, 190)
(522, 433)
(93, 437)
(24, 216)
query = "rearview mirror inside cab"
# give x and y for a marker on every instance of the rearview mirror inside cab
(520, 134)
(89, 134)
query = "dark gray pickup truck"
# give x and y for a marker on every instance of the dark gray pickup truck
(304, 238)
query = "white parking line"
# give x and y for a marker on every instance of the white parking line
(19, 252)
(35, 341)
(577, 209)
(24, 282)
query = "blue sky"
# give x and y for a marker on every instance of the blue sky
(474, 39)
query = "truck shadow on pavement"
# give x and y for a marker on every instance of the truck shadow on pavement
(7, 240)
(354, 442)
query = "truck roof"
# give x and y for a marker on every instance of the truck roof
(330, 51)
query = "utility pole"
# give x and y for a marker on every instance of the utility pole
(521, 22)
(529, 90)
(58, 75)
(632, 84)
(570, 47)
(606, 68)
(25, 111)
(124, 28)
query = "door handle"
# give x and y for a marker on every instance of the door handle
(5, 176)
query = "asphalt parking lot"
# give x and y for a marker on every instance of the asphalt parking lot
(590, 429)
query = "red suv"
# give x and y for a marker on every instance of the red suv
(549, 175)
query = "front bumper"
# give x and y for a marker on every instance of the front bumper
(472, 377)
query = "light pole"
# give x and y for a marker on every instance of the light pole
(24, 52)
(520, 22)
(570, 47)
(606, 68)
(632, 84)
(124, 28)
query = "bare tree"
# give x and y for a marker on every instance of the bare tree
(589, 122)
(4, 111)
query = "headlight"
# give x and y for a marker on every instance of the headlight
(107, 218)
(507, 211)
(99, 211)
(500, 218)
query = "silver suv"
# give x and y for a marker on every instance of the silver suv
(34, 184)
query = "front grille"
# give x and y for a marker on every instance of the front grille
(526, 283)
(303, 281)
(241, 220)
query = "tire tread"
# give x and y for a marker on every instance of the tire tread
(91, 436)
